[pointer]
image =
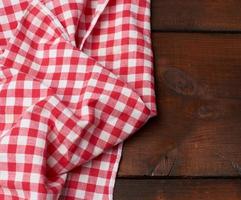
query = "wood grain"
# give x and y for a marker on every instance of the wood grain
(198, 128)
(172, 189)
(196, 15)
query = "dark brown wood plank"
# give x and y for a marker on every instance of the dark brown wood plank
(172, 189)
(198, 128)
(196, 15)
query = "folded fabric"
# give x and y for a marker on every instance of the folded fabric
(76, 79)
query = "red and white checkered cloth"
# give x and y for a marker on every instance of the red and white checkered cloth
(76, 79)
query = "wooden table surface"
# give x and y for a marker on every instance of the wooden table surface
(192, 149)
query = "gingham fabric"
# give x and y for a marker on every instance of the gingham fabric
(76, 79)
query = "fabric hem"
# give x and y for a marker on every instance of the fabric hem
(115, 170)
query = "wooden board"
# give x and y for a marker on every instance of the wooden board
(198, 129)
(196, 15)
(206, 189)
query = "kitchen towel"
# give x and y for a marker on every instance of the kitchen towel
(76, 79)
